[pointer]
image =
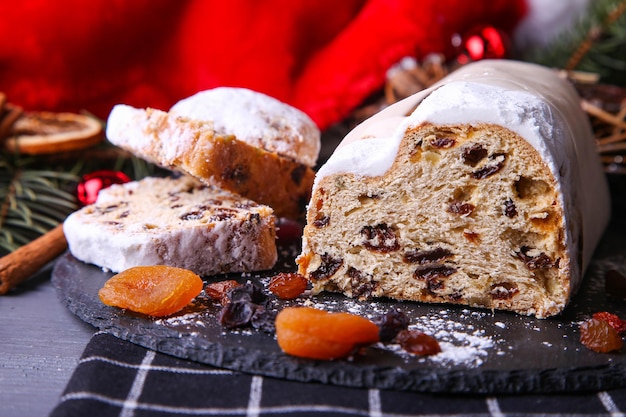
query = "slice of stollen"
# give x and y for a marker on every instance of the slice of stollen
(177, 222)
(247, 143)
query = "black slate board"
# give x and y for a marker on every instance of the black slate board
(504, 352)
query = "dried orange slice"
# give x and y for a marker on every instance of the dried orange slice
(36, 133)
(316, 334)
(153, 290)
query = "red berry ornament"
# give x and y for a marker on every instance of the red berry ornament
(91, 184)
(483, 42)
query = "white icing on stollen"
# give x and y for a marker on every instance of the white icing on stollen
(527, 99)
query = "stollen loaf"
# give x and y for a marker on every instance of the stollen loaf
(485, 190)
(176, 222)
(234, 138)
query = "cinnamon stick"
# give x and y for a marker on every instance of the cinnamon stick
(25, 261)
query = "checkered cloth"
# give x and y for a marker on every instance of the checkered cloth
(118, 378)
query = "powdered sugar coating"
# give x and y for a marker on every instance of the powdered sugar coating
(256, 119)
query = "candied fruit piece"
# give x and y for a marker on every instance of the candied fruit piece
(600, 336)
(317, 334)
(288, 285)
(419, 343)
(156, 290)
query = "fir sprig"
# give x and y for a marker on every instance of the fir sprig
(595, 44)
(38, 193)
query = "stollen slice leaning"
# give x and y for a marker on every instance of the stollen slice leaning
(485, 190)
(234, 138)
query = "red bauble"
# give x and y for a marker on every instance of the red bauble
(483, 42)
(91, 184)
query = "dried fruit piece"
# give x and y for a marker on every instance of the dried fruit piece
(328, 267)
(427, 256)
(600, 336)
(287, 286)
(249, 292)
(380, 238)
(492, 166)
(157, 290)
(237, 314)
(613, 319)
(390, 324)
(534, 259)
(419, 343)
(219, 290)
(460, 208)
(317, 334)
(474, 154)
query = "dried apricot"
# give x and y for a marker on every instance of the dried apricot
(317, 334)
(287, 286)
(599, 336)
(157, 290)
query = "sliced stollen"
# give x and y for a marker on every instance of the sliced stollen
(173, 221)
(484, 190)
(236, 139)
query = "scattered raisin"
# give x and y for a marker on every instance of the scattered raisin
(237, 314)
(390, 324)
(474, 154)
(362, 285)
(503, 291)
(426, 256)
(460, 208)
(429, 272)
(321, 221)
(288, 285)
(327, 269)
(380, 238)
(534, 260)
(492, 166)
(510, 210)
(247, 292)
(218, 290)
(600, 336)
(192, 215)
(157, 290)
(443, 142)
(419, 343)
(613, 319)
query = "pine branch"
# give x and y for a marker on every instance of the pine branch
(595, 44)
(38, 193)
